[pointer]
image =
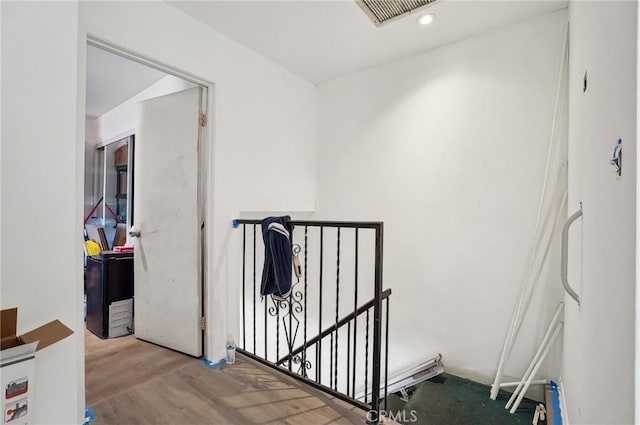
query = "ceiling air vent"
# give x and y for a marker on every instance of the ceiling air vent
(384, 11)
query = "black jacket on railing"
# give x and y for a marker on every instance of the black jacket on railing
(276, 273)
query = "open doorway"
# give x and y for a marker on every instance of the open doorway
(144, 207)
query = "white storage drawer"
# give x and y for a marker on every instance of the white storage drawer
(120, 318)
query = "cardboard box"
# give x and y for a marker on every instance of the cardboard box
(17, 364)
(121, 156)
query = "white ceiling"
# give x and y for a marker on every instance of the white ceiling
(321, 40)
(112, 79)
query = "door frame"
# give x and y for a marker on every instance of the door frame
(205, 156)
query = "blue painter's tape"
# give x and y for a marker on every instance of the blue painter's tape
(89, 416)
(212, 365)
(555, 404)
(235, 224)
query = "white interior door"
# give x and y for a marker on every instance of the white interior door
(167, 259)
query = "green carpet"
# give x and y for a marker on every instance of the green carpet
(450, 400)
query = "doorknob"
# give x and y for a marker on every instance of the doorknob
(134, 233)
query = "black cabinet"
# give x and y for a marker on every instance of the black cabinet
(109, 289)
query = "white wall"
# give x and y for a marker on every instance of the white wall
(599, 340)
(448, 148)
(42, 191)
(120, 121)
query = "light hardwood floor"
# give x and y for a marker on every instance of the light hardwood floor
(131, 382)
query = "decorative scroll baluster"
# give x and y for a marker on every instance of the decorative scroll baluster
(277, 309)
(290, 335)
(304, 352)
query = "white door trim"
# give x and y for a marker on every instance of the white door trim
(96, 41)
(86, 39)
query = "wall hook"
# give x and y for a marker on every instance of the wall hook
(616, 158)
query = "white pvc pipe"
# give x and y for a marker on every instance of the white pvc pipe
(536, 367)
(515, 318)
(525, 293)
(556, 220)
(536, 416)
(536, 357)
(556, 107)
(514, 384)
(495, 388)
(536, 278)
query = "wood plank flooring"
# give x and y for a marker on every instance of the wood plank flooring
(132, 382)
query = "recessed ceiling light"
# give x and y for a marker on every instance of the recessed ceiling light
(426, 19)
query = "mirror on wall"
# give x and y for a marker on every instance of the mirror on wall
(112, 186)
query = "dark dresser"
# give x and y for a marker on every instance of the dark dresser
(109, 289)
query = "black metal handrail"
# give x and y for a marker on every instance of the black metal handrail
(295, 309)
(344, 321)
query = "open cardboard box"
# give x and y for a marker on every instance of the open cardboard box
(17, 367)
